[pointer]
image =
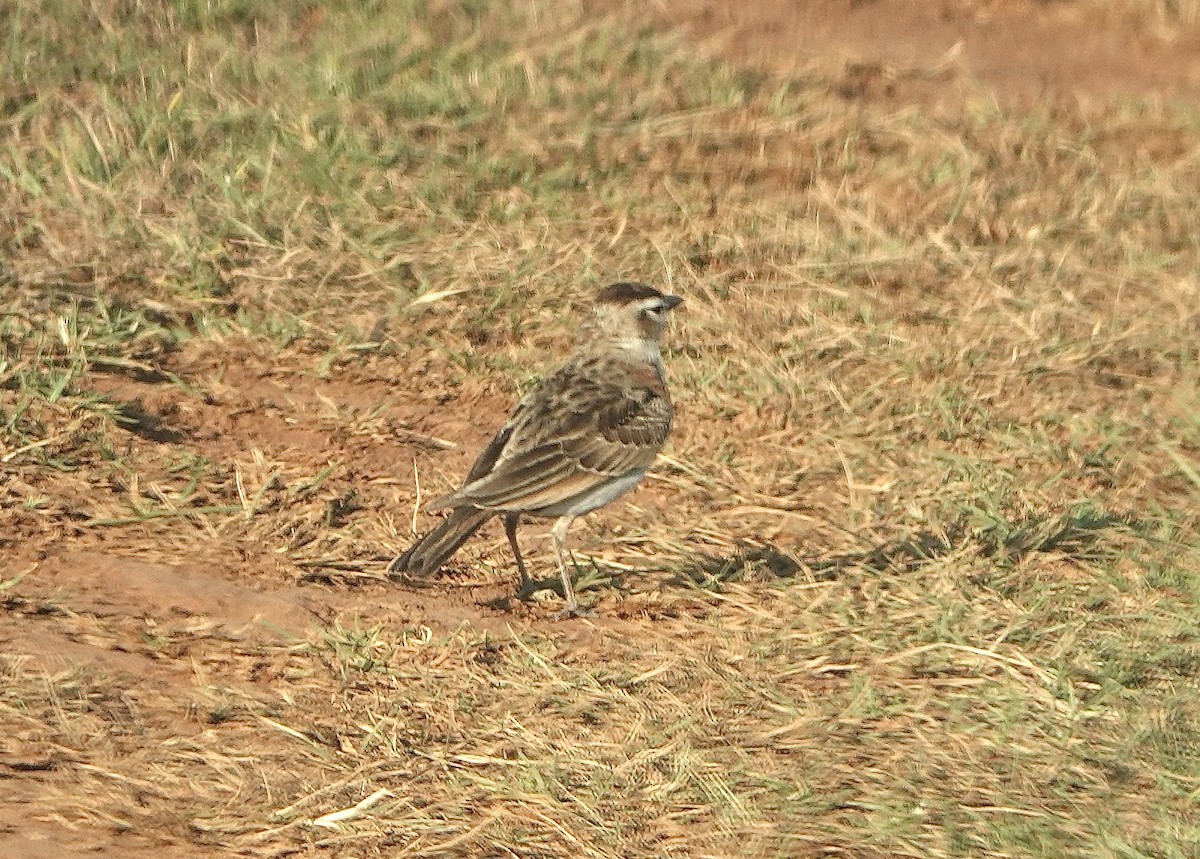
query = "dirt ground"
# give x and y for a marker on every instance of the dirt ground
(1021, 51)
(83, 601)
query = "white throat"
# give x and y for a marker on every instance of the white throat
(641, 349)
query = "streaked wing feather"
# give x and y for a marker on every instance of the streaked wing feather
(514, 487)
(549, 493)
(484, 463)
(578, 430)
(486, 460)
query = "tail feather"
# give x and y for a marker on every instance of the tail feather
(428, 554)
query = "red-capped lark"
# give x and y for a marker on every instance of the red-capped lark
(580, 439)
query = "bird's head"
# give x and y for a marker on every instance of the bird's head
(631, 316)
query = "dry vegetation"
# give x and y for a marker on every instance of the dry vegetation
(916, 576)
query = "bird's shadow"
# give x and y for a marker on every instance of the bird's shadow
(1081, 534)
(1084, 535)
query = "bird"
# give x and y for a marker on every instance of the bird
(581, 438)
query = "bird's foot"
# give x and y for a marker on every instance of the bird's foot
(528, 588)
(541, 591)
(574, 609)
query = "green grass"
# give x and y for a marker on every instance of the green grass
(916, 578)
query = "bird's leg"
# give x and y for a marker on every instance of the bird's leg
(559, 534)
(511, 520)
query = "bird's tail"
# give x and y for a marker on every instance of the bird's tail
(431, 551)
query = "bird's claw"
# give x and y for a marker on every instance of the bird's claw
(574, 610)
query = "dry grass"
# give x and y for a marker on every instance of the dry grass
(915, 578)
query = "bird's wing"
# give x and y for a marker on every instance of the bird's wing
(587, 424)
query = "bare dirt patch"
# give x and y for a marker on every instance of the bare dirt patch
(24, 838)
(1017, 51)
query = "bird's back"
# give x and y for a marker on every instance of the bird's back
(598, 419)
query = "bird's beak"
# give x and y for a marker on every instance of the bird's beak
(672, 301)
